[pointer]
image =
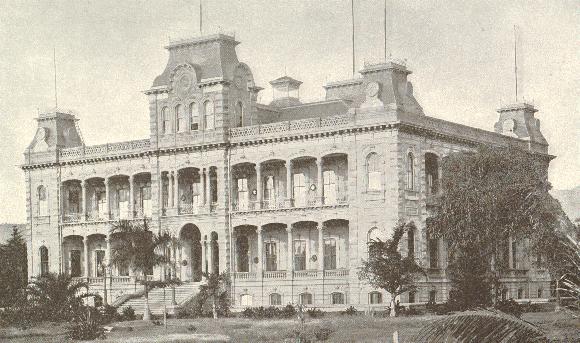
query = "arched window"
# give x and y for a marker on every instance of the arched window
(165, 120)
(373, 234)
(374, 172)
(43, 261)
(275, 299)
(194, 116)
(410, 171)
(433, 248)
(411, 243)
(431, 173)
(337, 298)
(375, 298)
(208, 112)
(433, 296)
(412, 296)
(42, 201)
(540, 292)
(520, 293)
(305, 299)
(243, 254)
(181, 120)
(239, 113)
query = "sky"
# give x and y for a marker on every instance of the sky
(460, 52)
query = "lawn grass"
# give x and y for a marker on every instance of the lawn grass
(560, 327)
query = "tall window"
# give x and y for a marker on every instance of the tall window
(275, 299)
(101, 204)
(165, 193)
(208, 111)
(74, 200)
(433, 296)
(375, 298)
(271, 256)
(243, 195)
(99, 262)
(269, 190)
(75, 263)
(337, 298)
(411, 243)
(299, 254)
(123, 196)
(329, 178)
(243, 249)
(433, 252)
(410, 171)
(239, 113)
(412, 296)
(181, 120)
(330, 253)
(431, 173)
(374, 172)
(165, 120)
(514, 254)
(306, 299)
(194, 116)
(246, 300)
(42, 201)
(43, 261)
(145, 200)
(299, 190)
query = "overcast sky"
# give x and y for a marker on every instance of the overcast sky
(460, 52)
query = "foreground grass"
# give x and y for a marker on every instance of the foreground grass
(560, 327)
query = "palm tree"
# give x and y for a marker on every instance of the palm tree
(141, 249)
(57, 296)
(216, 288)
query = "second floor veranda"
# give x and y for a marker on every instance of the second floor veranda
(107, 198)
(297, 183)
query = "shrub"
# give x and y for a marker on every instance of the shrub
(315, 313)
(510, 307)
(249, 313)
(321, 333)
(350, 311)
(128, 313)
(191, 328)
(108, 314)
(88, 329)
(288, 311)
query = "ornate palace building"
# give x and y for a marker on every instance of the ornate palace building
(284, 196)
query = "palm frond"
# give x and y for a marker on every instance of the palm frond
(482, 326)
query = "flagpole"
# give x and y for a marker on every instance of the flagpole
(54, 64)
(516, 62)
(352, 16)
(200, 17)
(385, 24)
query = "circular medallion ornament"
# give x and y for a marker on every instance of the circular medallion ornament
(372, 89)
(183, 81)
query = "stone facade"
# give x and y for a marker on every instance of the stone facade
(235, 181)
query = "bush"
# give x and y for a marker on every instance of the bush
(288, 311)
(315, 313)
(86, 330)
(350, 311)
(510, 307)
(321, 333)
(275, 312)
(108, 314)
(128, 313)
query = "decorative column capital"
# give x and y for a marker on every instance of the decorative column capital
(321, 227)
(83, 183)
(289, 228)
(107, 180)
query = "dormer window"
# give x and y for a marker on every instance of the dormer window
(165, 121)
(208, 112)
(193, 116)
(181, 120)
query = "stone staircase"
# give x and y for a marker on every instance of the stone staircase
(183, 293)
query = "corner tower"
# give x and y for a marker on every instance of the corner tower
(518, 120)
(203, 91)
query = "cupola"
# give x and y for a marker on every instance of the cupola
(285, 92)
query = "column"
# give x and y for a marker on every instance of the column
(259, 185)
(107, 198)
(107, 251)
(200, 185)
(170, 189)
(176, 190)
(289, 182)
(131, 198)
(290, 250)
(260, 253)
(320, 247)
(86, 255)
(210, 256)
(203, 181)
(319, 180)
(203, 257)
(179, 262)
(208, 187)
(83, 200)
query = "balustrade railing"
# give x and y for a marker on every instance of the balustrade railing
(105, 149)
(213, 207)
(189, 209)
(336, 273)
(141, 213)
(276, 204)
(245, 275)
(96, 216)
(306, 274)
(275, 274)
(72, 217)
